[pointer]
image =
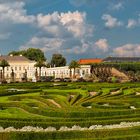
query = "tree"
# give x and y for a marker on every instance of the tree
(58, 60)
(40, 64)
(3, 64)
(16, 53)
(31, 53)
(73, 65)
(34, 54)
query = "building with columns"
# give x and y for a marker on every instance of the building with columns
(21, 68)
(64, 72)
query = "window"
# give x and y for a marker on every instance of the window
(53, 73)
(83, 72)
(15, 68)
(78, 71)
(87, 71)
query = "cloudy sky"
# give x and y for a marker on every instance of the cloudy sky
(74, 28)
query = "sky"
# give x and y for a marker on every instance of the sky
(74, 28)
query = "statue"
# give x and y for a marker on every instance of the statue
(12, 76)
(25, 75)
(0, 75)
(36, 74)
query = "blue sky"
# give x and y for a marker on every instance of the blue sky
(75, 28)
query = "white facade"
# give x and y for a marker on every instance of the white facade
(21, 65)
(58, 72)
(19, 69)
(63, 72)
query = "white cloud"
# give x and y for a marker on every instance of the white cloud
(74, 22)
(67, 32)
(64, 32)
(45, 44)
(79, 49)
(132, 23)
(102, 45)
(111, 22)
(127, 50)
(116, 6)
(71, 22)
(14, 12)
(58, 45)
(55, 23)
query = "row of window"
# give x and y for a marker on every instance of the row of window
(66, 72)
(53, 73)
(18, 68)
(58, 72)
(19, 75)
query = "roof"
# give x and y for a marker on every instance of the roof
(14, 58)
(90, 61)
(122, 59)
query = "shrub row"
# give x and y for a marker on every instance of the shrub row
(7, 93)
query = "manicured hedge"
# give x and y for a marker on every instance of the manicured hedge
(73, 111)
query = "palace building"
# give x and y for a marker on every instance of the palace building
(19, 66)
(22, 67)
(64, 72)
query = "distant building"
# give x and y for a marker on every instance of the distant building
(64, 72)
(122, 59)
(20, 66)
(89, 61)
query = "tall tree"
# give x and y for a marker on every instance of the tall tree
(40, 64)
(73, 65)
(3, 64)
(34, 54)
(58, 60)
(31, 53)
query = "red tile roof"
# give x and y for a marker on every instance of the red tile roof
(90, 61)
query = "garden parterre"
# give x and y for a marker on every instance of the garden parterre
(68, 104)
